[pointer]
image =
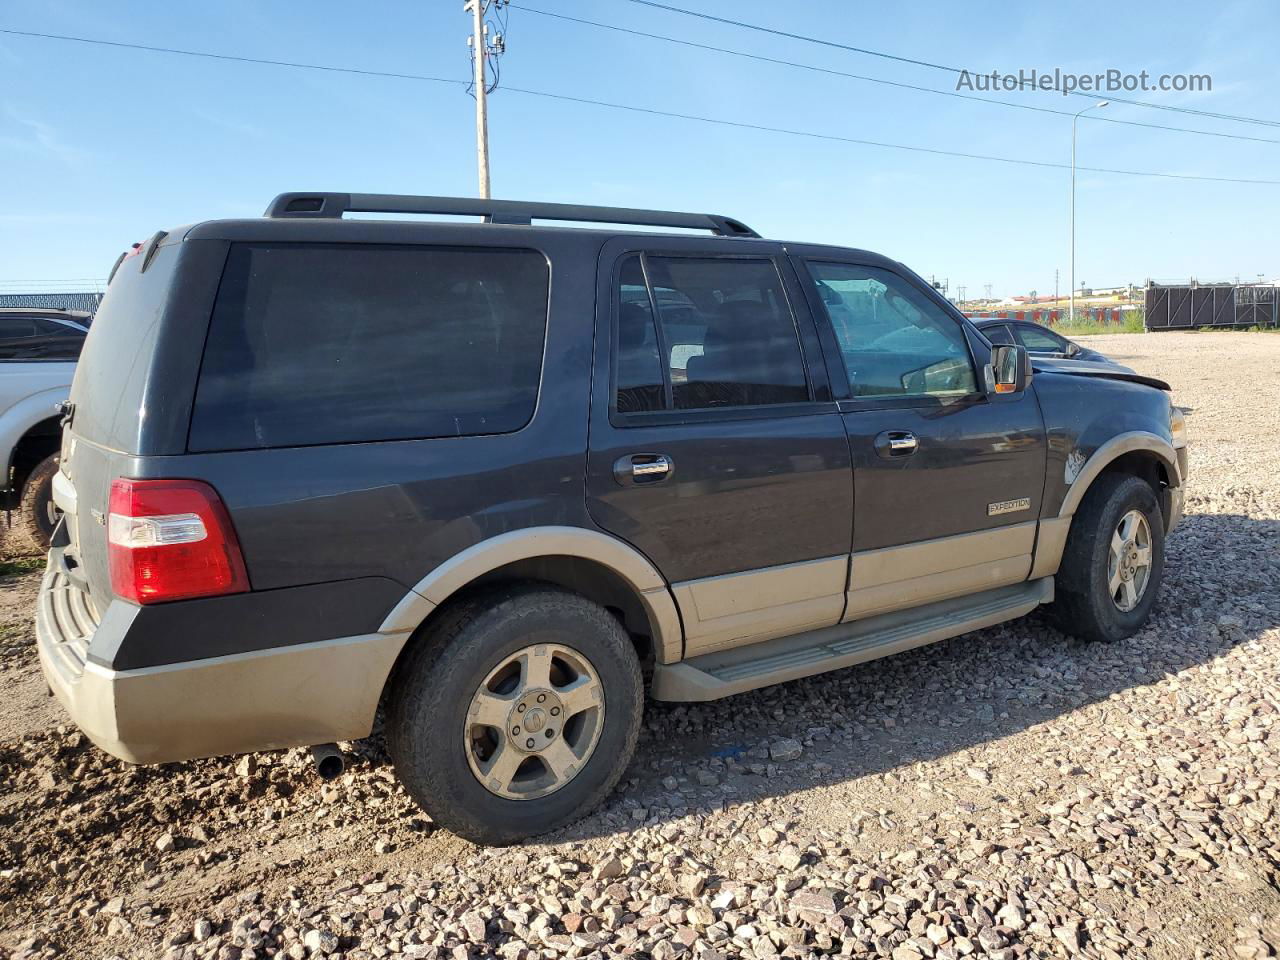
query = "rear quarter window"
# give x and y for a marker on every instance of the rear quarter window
(335, 343)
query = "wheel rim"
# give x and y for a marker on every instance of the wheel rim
(534, 722)
(1129, 561)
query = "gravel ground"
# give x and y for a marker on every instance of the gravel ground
(1010, 793)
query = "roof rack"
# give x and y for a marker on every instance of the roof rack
(518, 212)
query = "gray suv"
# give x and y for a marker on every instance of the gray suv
(501, 481)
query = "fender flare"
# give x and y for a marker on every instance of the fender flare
(488, 555)
(1051, 537)
(1116, 447)
(25, 414)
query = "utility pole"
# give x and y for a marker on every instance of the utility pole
(1055, 287)
(477, 44)
(483, 48)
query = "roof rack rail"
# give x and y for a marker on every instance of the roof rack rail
(518, 212)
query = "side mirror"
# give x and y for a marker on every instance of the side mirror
(1009, 371)
(1072, 348)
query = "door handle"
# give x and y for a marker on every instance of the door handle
(893, 444)
(637, 468)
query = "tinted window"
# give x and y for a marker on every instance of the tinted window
(14, 328)
(725, 334)
(997, 333)
(31, 338)
(328, 343)
(640, 385)
(1035, 338)
(895, 341)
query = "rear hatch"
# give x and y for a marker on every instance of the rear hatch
(130, 401)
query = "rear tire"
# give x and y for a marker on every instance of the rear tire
(1113, 562)
(516, 652)
(33, 520)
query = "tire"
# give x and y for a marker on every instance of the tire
(33, 520)
(1085, 605)
(438, 748)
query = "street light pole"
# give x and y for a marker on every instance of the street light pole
(1093, 106)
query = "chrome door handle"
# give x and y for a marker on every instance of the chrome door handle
(902, 445)
(660, 466)
(643, 468)
(893, 444)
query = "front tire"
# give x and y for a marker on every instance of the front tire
(516, 714)
(1113, 562)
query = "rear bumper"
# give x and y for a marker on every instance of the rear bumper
(290, 696)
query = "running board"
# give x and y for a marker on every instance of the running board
(727, 672)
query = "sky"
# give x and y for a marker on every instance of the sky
(102, 146)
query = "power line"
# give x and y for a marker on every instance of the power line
(881, 143)
(233, 59)
(880, 80)
(930, 64)
(651, 111)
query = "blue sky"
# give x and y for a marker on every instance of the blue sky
(100, 147)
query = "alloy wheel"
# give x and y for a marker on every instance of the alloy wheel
(534, 722)
(1129, 560)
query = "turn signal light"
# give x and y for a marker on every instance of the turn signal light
(171, 540)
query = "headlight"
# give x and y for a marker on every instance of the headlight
(1178, 427)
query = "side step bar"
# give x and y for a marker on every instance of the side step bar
(727, 672)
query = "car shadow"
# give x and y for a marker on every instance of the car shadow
(946, 697)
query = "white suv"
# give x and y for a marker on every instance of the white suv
(38, 353)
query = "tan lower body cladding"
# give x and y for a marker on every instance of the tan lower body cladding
(895, 578)
(756, 605)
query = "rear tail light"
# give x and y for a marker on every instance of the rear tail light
(171, 540)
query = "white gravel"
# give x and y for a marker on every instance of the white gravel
(1011, 793)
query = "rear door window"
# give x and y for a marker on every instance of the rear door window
(343, 343)
(725, 336)
(37, 338)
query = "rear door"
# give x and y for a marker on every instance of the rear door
(947, 479)
(715, 445)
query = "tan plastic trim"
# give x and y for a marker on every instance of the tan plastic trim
(264, 700)
(831, 648)
(488, 555)
(896, 578)
(1049, 546)
(1116, 447)
(739, 608)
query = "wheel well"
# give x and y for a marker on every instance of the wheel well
(1147, 467)
(588, 578)
(40, 441)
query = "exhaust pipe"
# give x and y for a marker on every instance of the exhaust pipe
(329, 760)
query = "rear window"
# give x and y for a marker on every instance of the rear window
(335, 343)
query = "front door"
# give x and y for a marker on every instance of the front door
(948, 480)
(716, 448)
